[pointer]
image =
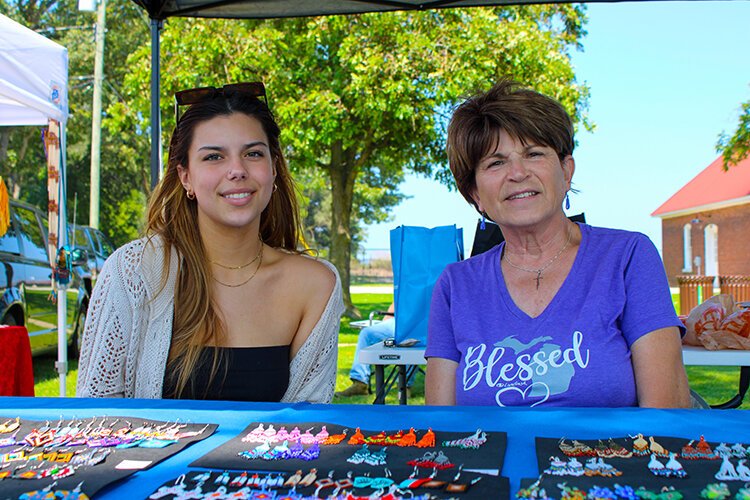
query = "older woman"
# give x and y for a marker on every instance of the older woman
(561, 313)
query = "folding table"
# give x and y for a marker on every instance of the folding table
(692, 355)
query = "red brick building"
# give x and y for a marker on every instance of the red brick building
(706, 224)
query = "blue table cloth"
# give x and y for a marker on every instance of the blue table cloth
(522, 425)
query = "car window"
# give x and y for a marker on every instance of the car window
(31, 234)
(78, 238)
(9, 241)
(105, 243)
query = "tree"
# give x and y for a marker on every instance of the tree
(124, 155)
(736, 147)
(365, 98)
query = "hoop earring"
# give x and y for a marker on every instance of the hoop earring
(567, 202)
(275, 187)
(190, 195)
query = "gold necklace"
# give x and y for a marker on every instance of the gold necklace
(243, 266)
(539, 271)
(260, 263)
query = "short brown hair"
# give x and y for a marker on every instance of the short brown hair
(524, 114)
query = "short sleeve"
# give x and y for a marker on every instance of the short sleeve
(648, 301)
(441, 341)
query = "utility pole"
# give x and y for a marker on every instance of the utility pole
(96, 112)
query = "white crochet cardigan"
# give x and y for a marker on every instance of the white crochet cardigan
(129, 329)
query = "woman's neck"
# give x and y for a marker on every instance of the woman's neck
(231, 247)
(537, 242)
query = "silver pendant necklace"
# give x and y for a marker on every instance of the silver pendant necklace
(539, 271)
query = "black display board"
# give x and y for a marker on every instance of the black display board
(478, 467)
(19, 458)
(700, 461)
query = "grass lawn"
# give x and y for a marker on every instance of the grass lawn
(715, 384)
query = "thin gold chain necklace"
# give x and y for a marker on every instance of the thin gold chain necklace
(260, 263)
(539, 271)
(243, 266)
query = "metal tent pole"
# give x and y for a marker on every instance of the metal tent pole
(156, 26)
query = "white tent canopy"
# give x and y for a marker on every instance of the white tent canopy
(33, 77)
(33, 91)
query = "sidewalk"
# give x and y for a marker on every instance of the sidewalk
(371, 289)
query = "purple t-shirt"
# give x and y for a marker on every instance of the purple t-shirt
(577, 351)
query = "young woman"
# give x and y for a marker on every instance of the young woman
(215, 302)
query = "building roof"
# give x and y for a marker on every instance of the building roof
(711, 188)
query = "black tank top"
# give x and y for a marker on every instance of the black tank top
(243, 374)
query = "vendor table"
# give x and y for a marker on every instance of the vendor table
(522, 425)
(405, 361)
(692, 355)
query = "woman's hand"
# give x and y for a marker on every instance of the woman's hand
(440, 382)
(660, 377)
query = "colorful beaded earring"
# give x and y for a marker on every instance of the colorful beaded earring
(10, 425)
(427, 441)
(597, 467)
(358, 438)
(309, 478)
(293, 479)
(473, 442)
(307, 437)
(408, 439)
(335, 438)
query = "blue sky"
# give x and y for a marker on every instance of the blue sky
(666, 78)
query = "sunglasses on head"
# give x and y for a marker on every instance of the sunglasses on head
(203, 94)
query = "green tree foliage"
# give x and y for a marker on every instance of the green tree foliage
(362, 99)
(124, 156)
(736, 147)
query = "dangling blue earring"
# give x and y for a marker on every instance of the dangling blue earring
(567, 202)
(482, 225)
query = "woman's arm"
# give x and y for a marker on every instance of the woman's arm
(440, 382)
(104, 343)
(660, 376)
(312, 374)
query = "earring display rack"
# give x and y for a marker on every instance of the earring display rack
(668, 467)
(75, 458)
(324, 460)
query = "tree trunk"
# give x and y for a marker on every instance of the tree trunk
(342, 174)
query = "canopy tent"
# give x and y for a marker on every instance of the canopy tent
(33, 77)
(34, 91)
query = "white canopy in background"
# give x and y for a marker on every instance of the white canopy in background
(33, 91)
(33, 77)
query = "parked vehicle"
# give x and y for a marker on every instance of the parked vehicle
(26, 283)
(98, 246)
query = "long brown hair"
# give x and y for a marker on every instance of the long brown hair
(173, 217)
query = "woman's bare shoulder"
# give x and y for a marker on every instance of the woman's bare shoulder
(307, 272)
